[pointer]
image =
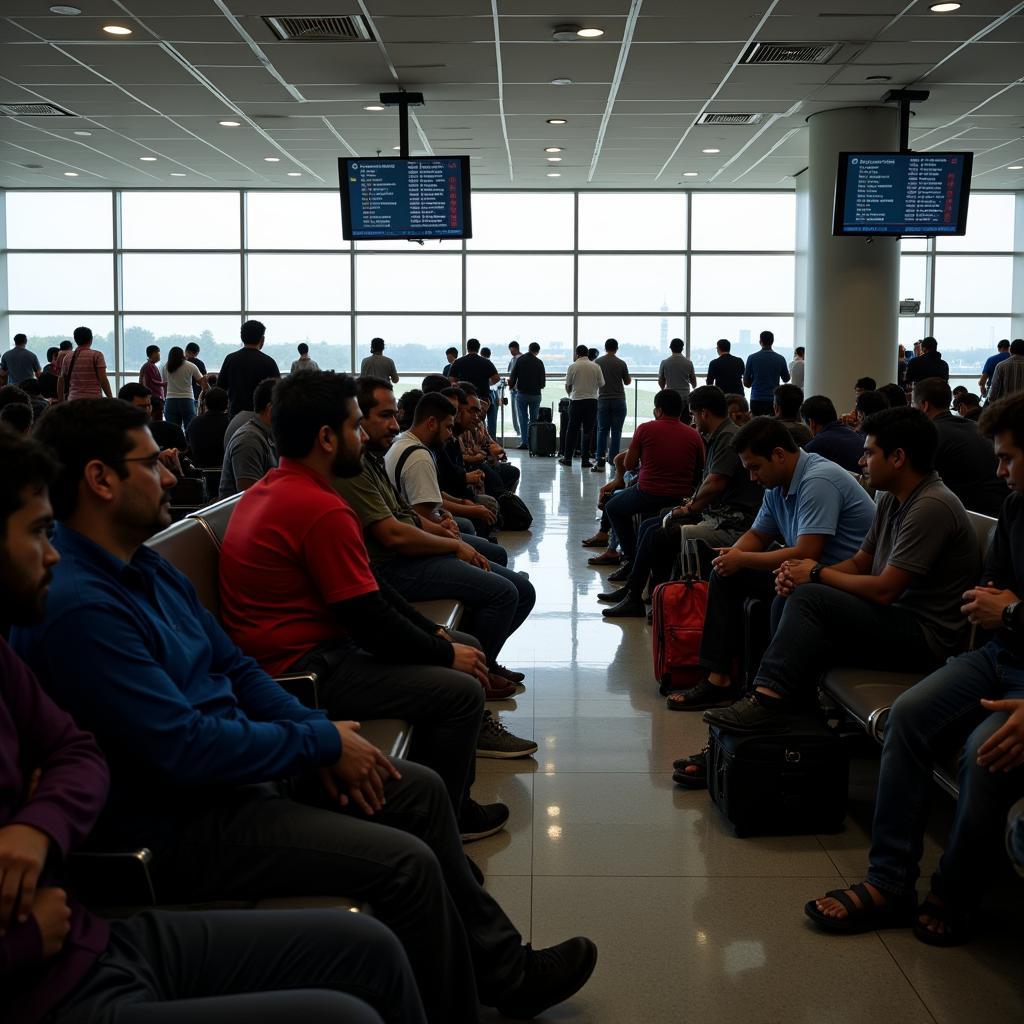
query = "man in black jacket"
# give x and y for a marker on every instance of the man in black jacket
(928, 364)
(528, 380)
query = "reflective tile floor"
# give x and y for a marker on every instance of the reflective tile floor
(691, 923)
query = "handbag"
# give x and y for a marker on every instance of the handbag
(678, 624)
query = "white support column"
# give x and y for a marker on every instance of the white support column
(803, 209)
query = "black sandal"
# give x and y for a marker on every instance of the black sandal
(954, 923)
(866, 917)
(702, 696)
(694, 780)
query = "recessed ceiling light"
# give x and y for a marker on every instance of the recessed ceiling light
(272, 159)
(83, 133)
(117, 30)
(878, 78)
(148, 159)
(561, 81)
(71, 174)
(554, 174)
(552, 149)
(177, 174)
(373, 106)
(554, 159)
(1016, 167)
(295, 174)
(711, 151)
(229, 124)
(589, 33)
(944, 8)
(690, 174)
(65, 9)
(557, 120)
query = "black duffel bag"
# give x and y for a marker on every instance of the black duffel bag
(791, 782)
(513, 513)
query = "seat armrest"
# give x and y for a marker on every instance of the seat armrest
(114, 878)
(302, 686)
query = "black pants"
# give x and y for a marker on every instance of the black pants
(260, 967)
(407, 862)
(723, 637)
(582, 423)
(762, 407)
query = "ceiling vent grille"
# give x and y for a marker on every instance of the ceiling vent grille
(327, 28)
(32, 110)
(790, 53)
(729, 118)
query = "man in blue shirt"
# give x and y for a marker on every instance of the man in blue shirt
(763, 373)
(240, 791)
(830, 438)
(990, 365)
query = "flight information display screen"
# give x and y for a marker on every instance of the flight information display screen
(902, 193)
(405, 197)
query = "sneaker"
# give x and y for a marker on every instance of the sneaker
(752, 714)
(478, 821)
(507, 673)
(499, 688)
(551, 976)
(496, 741)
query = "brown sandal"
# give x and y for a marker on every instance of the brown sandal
(605, 559)
(599, 540)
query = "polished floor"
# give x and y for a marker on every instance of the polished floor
(692, 924)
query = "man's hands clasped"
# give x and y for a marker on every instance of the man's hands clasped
(360, 773)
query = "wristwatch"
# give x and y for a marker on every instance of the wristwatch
(1010, 614)
(816, 573)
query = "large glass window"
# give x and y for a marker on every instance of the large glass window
(180, 220)
(299, 282)
(329, 339)
(643, 340)
(169, 282)
(743, 220)
(215, 335)
(526, 220)
(743, 283)
(410, 282)
(973, 284)
(60, 280)
(989, 226)
(632, 220)
(293, 220)
(519, 283)
(59, 220)
(634, 284)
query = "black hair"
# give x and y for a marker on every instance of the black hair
(933, 390)
(376, 344)
(305, 403)
(252, 331)
(592, 354)
(799, 351)
(866, 384)
(21, 339)
(762, 435)
(450, 350)
(27, 465)
(17, 417)
(869, 402)
(1017, 347)
(217, 400)
(895, 395)
(31, 387)
(11, 394)
(611, 345)
(434, 406)
(472, 345)
(766, 338)
(51, 353)
(788, 398)
(513, 344)
(534, 347)
(929, 344)
(676, 345)
(582, 350)
(79, 432)
(724, 345)
(970, 399)
(908, 429)
(454, 392)
(65, 346)
(669, 402)
(486, 353)
(131, 390)
(739, 401)
(175, 359)
(150, 349)
(192, 348)
(365, 387)
(1005, 415)
(302, 348)
(468, 388)
(82, 336)
(435, 382)
(264, 394)
(819, 408)
(710, 399)
(1003, 343)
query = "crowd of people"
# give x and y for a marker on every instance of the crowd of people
(131, 717)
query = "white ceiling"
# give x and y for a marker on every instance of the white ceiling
(637, 90)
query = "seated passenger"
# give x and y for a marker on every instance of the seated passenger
(964, 458)
(239, 791)
(250, 453)
(974, 701)
(894, 604)
(788, 398)
(669, 455)
(167, 435)
(17, 418)
(894, 394)
(814, 509)
(868, 403)
(478, 448)
(64, 964)
(205, 433)
(969, 406)
(739, 409)
(829, 438)
(718, 514)
(863, 384)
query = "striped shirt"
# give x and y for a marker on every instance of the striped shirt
(85, 366)
(1007, 379)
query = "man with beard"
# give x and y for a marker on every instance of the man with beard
(200, 740)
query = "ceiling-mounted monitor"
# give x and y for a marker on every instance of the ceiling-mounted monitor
(902, 194)
(405, 197)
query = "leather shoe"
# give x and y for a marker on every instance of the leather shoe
(614, 596)
(627, 608)
(621, 574)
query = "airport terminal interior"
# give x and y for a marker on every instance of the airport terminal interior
(361, 187)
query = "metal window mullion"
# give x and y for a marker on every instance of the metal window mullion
(465, 297)
(352, 305)
(118, 296)
(930, 312)
(689, 268)
(575, 271)
(243, 275)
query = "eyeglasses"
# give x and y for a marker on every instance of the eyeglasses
(150, 461)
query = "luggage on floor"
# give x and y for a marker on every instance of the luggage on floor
(677, 624)
(513, 513)
(791, 782)
(563, 428)
(544, 414)
(542, 438)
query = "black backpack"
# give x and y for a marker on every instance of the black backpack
(513, 513)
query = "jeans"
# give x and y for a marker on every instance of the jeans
(406, 861)
(496, 602)
(492, 552)
(723, 639)
(514, 406)
(931, 719)
(624, 505)
(528, 406)
(611, 414)
(492, 414)
(822, 627)
(181, 411)
(260, 966)
(582, 418)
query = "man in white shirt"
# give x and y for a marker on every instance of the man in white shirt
(583, 382)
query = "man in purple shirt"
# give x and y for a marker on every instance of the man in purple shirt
(59, 961)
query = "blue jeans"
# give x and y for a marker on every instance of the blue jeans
(528, 406)
(611, 414)
(627, 503)
(930, 720)
(492, 414)
(181, 411)
(496, 602)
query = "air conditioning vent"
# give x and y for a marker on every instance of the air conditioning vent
(32, 110)
(729, 118)
(326, 28)
(790, 53)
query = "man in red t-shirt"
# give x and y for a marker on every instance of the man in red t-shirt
(670, 455)
(298, 593)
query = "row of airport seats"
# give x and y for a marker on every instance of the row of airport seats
(122, 881)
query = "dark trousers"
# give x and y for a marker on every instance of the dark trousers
(723, 638)
(580, 430)
(762, 407)
(499, 478)
(257, 966)
(629, 502)
(445, 706)
(407, 862)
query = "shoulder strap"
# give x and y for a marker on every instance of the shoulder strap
(403, 458)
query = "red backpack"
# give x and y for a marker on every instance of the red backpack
(678, 623)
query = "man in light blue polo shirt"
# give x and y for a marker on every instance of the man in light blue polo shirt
(810, 506)
(764, 372)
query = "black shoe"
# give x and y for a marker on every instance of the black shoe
(565, 462)
(598, 467)
(703, 696)
(627, 608)
(552, 975)
(478, 821)
(614, 596)
(752, 714)
(621, 574)
(586, 464)
(522, 447)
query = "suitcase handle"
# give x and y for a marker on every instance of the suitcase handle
(689, 557)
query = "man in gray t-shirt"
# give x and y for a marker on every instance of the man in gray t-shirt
(611, 404)
(18, 364)
(676, 373)
(249, 455)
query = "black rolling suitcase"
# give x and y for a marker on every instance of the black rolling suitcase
(544, 414)
(792, 782)
(542, 438)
